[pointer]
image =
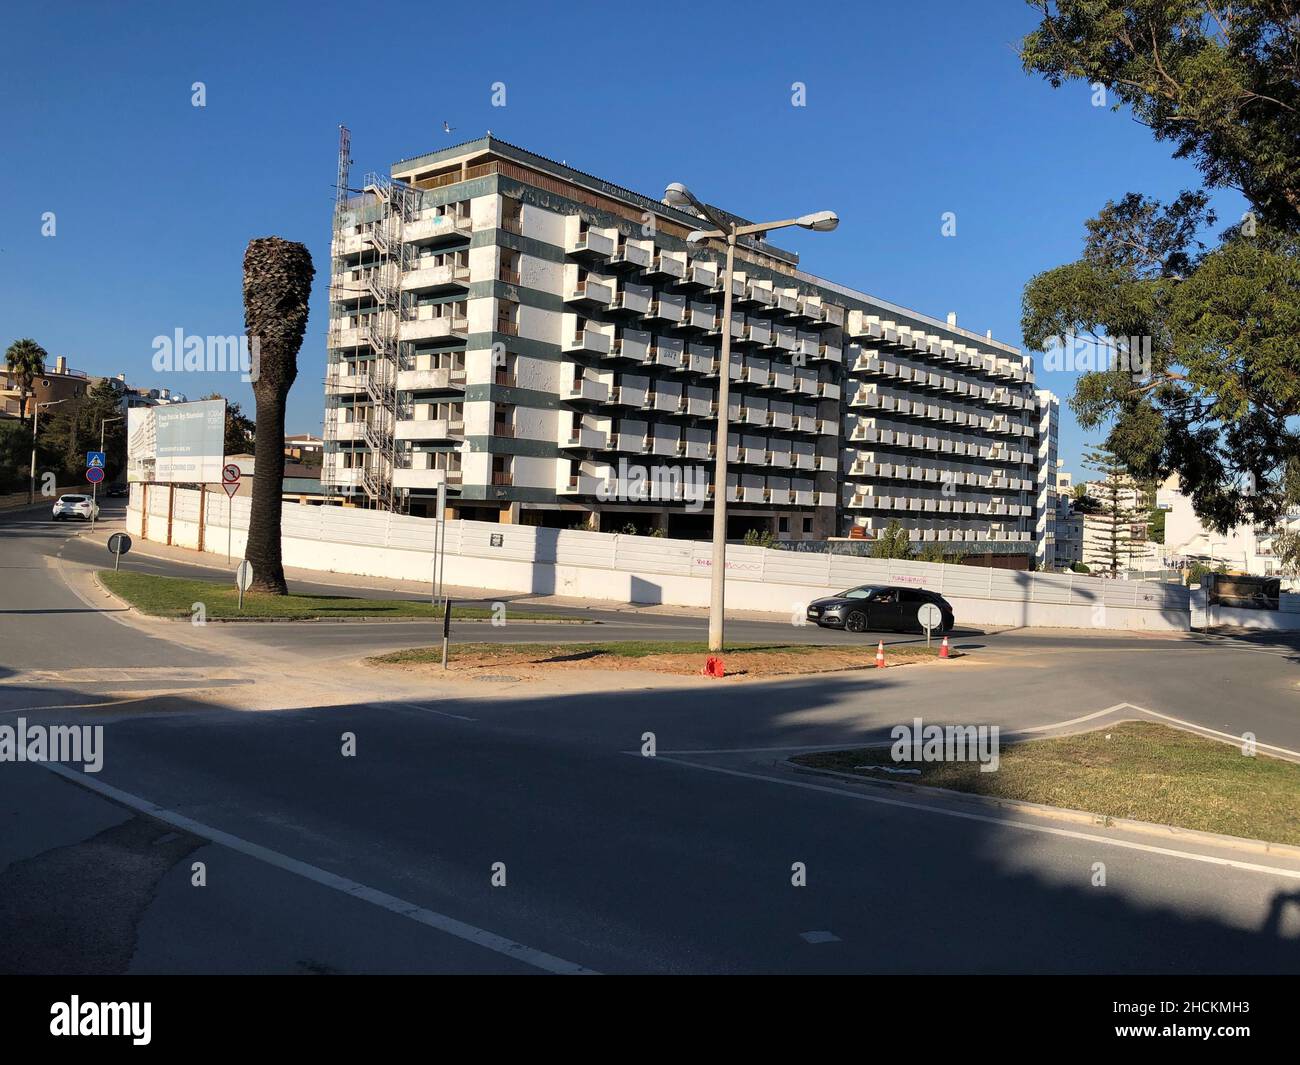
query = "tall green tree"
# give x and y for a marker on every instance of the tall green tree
(25, 361)
(1113, 526)
(892, 542)
(277, 287)
(1215, 396)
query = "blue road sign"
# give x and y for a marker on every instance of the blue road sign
(95, 459)
(94, 475)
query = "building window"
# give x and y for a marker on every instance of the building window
(807, 525)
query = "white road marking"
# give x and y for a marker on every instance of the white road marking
(819, 937)
(1004, 822)
(427, 710)
(76, 706)
(479, 937)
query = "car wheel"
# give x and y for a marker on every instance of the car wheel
(856, 621)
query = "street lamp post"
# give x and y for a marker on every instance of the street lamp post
(678, 195)
(103, 422)
(36, 416)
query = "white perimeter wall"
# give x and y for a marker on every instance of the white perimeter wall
(643, 569)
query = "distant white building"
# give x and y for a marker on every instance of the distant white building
(1246, 548)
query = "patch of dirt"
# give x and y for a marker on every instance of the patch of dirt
(736, 663)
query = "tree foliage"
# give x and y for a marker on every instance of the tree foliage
(892, 543)
(25, 360)
(1218, 79)
(1214, 399)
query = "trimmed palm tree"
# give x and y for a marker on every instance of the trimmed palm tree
(277, 287)
(25, 361)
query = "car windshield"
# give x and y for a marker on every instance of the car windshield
(860, 592)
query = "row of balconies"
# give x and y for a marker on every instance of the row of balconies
(780, 339)
(928, 505)
(773, 491)
(442, 380)
(871, 363)
(595, 245)
(869, 397)
(910, 339)
(951, 535)
(870, 467)
(677, 355)
(660, 439)
(865, 431)
(403, 429)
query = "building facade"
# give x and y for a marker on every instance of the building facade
(546, 346)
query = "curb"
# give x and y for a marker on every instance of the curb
(1061, 813)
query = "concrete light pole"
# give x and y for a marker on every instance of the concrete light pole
(678, 195)
(36, 415)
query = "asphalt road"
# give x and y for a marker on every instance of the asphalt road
(385, 861)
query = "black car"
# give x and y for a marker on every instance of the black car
(872, 606)
(117, 491)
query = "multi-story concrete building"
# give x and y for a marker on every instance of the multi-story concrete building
(529, 335)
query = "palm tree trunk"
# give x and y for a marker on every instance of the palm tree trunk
(263, 549)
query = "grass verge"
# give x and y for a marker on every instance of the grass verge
(174, 597)
(1138, 770)
(680, 657)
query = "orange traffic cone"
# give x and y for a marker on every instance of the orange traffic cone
(880, 655)
(713, 667)
(943, 651)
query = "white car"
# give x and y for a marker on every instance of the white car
(74, 507)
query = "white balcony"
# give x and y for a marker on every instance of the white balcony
(635, 299)
(430, 380)
(430, 278)
(666, 351)
(637, 252)
(588, 242)
(582, 485)
(589, 291)
(584, 388)
(590, 340)
(633, 345)
(435, 229)
(344, 383)
(429, 429)
(583, 437)
(445, 327)
(702, 273)
(671, 264)
(345, 430)
(668, 308)
(758, 331)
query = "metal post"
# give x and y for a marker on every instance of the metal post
(230, 523)
(446, 631)
(717, 588)
(441, 504)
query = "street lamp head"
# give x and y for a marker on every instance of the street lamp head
(678, 195)
(820, 221)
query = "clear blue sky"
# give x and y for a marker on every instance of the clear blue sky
(912, 110)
